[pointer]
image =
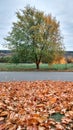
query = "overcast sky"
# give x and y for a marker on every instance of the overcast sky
(61, 9)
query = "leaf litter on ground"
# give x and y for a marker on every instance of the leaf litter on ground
(36, 105)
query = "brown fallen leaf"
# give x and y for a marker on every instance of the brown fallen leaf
(31, 104)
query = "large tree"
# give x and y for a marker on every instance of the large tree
(35, 36)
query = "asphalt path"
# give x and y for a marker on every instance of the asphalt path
(31, 76)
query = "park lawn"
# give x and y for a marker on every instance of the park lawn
(32, 66)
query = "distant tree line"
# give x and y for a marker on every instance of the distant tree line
(7, 56)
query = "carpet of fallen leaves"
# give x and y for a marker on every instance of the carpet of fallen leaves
(36, 105)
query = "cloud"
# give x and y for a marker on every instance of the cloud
(61, 9)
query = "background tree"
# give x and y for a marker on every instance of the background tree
(35, 36)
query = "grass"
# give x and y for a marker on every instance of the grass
(26, 66)
(11, 66)
(61, 66)
(57, 116)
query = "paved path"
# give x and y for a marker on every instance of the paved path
(15, 76)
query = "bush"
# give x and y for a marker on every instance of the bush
(4, 59)
(69, 59)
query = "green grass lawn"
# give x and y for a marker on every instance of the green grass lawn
(25, 66)
(61, 66)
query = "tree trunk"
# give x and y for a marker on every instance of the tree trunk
(37, 65)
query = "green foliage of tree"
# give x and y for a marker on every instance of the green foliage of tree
(35, 36)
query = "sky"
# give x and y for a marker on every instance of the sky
(61, 9)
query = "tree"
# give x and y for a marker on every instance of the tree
(35, 36)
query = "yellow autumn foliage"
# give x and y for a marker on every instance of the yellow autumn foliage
(60, 61)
